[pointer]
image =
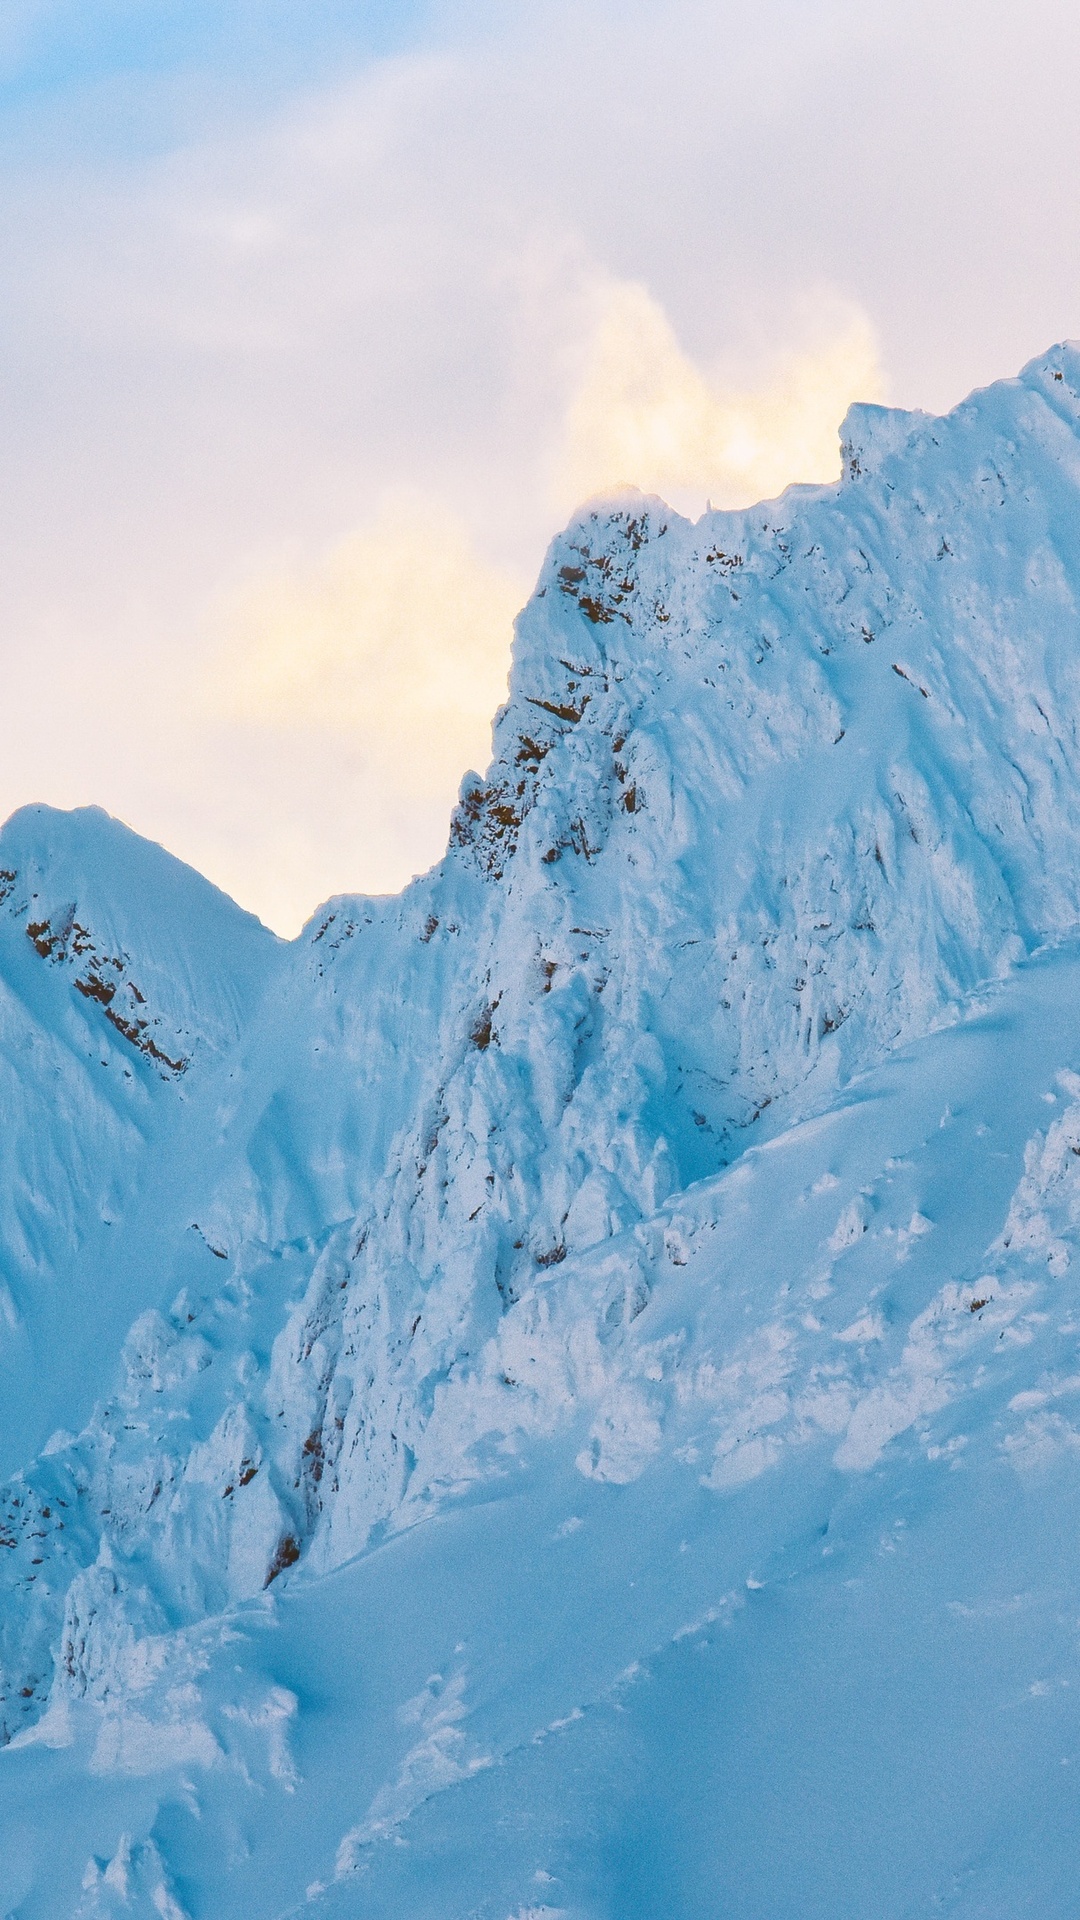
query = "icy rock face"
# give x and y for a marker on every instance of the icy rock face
(125, 983)
(121, 974)
(772, 795)
(169, 962)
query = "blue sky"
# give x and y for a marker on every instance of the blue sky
(126, 81)
(301, 303)
(52, 49)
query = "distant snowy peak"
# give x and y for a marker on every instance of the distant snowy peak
(149, 948)
(126, 982)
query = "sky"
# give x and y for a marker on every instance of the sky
(318, 320)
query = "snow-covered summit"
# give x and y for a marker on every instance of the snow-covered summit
(124, 979)
(170, 962)
(674, 1156)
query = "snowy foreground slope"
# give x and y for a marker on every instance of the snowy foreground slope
(559, 1394)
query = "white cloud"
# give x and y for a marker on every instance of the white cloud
(644, 413)
(553, 247)
(397, 639)
(392, 648)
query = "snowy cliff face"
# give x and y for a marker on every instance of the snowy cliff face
(771, 794)
(124, 978)
(548, 1175)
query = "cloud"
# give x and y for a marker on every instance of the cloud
(398, 639)
(644, 413)
(530, 253)
(386, 656)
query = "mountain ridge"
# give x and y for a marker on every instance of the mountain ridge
(553, 1173)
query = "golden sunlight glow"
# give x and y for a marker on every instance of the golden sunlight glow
(399, 639)
(644, 414)
(388, 656)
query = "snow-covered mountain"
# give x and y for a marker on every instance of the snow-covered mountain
(556, 1394)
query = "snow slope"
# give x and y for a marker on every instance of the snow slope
(123, 977)
(556, 1393)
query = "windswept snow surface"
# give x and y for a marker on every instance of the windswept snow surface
(557, 1396)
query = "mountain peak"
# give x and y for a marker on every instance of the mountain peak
(151, 947)
(871, 435)
(673, 1195)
